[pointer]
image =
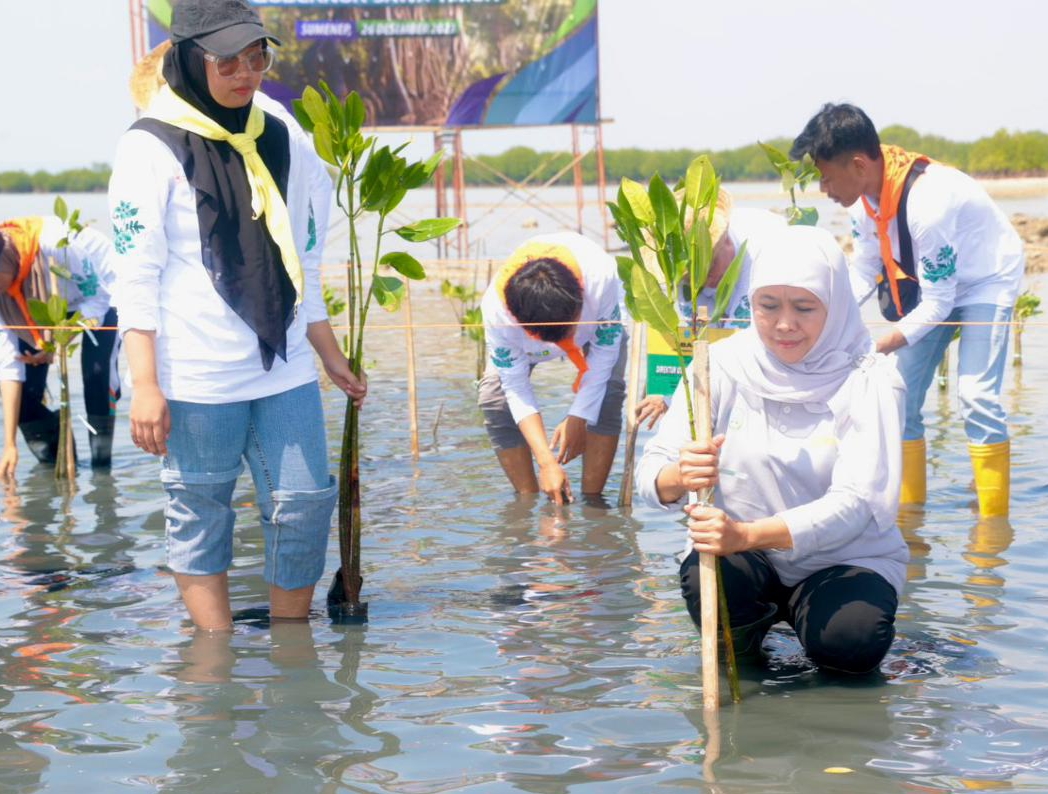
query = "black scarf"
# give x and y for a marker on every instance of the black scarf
(239, 254)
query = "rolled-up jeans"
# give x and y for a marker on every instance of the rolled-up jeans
(283, 441)
(981, 357)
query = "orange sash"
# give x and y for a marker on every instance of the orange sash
(24, 234)
(897, 164)
(527, 253)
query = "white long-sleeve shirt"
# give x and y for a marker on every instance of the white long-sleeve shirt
(205, 352)
(10, 367)
(800, 462)
(965, 250)
(513, 352)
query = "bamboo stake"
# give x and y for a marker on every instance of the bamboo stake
(412, 387)
(632, 426)
(700, 368)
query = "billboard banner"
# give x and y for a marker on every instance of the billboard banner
(434, 63)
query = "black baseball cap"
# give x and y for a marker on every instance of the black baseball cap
(223, 27)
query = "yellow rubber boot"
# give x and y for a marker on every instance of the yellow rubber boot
(992, 466)
(914, 489)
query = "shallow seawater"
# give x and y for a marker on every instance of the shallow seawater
(510, 648)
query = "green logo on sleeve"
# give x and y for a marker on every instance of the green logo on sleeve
(945, 264)
(125, 227)
(502, 357)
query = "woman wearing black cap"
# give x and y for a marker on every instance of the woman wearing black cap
(218, 268)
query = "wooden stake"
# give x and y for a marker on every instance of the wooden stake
(700, 369)
(632, 389)
(412, 390)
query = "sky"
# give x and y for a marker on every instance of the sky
(674, 73)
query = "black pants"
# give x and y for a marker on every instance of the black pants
(844, 615)
(95, 365)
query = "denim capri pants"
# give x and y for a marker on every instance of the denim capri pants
(282, 438)
(504, 431)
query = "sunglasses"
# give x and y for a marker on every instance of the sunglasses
(254, 61)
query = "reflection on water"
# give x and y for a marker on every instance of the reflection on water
(512, 646)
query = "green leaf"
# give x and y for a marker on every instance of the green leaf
(324, 143)
(809, 216)
(405, 264)
(697, 181)
(473, 319)
(355, 113)
(779, 160)
(315, 107)
(726, 287)
(625, 267)
(40, 312)
(389, 292)
(664, 204)
(653, 307)
(301, 116)
(638, 201)
(60, 208)
(420, 231)
(700, 247)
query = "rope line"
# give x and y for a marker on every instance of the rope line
(390, 327)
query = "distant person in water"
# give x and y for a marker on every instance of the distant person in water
(39, 253)
(805, 461)
(557, 296)
(938, 251)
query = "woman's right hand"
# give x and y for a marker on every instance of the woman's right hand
(150, 419)
(699, 464)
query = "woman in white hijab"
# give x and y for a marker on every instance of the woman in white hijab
(806, 460)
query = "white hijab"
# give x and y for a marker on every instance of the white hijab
(804, 256)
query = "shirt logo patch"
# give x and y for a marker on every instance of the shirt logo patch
(944, 267)
(609, 329)
(502, 357)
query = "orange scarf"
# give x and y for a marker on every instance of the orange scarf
(897, 164)
(527, 253)
(24, 234)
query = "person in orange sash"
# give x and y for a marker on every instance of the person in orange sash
(941, 255)
(38, 253)
(549, 280)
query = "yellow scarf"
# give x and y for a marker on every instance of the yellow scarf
(529, 252)
(897, 164)
(266, 201)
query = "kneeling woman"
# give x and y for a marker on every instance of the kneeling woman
(805, 457)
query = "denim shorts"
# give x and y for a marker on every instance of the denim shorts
(282, 438)
(982, 354)
(504, 432)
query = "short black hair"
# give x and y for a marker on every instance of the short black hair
(545, 291)
(836, 130)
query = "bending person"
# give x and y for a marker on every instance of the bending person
(554, 279)
(221, 312)
(36, 253)
(806, 462)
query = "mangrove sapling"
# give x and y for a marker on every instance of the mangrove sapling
(1026, 306)
(678, 235)
(464, 304)
(60, 340)
(369, 180)
(794, 174)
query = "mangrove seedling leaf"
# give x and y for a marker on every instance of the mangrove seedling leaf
(315, 107)
(301, 116)
(625, 267)
(653, 307)
(60, 208)
(324, 143)
(664, 204)
(420, 231)
(355, 112)
(389, 292)
(638, 201)
(809, 216)
(405, 264)
(727, 285)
